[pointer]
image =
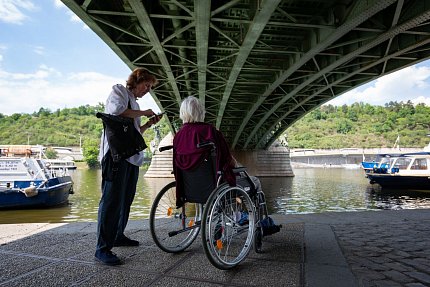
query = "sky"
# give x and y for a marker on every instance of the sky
(49, 58)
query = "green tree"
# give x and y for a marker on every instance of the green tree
(344, 126)
(51, 153)
(90, 150)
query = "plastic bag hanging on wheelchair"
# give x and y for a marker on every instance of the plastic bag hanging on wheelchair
(269, 227)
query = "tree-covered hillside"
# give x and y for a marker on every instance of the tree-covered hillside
(64, 127)
(358, 125)
(362, 126)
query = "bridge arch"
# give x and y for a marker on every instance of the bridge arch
(258, 66)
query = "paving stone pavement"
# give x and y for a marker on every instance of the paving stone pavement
(393, 254)
(375, 248)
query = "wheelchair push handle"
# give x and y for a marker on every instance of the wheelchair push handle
(199, 145)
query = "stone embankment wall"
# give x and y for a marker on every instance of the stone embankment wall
(339, 157)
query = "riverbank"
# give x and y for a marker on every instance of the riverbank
(372, 248)
(324, 165)
(340, 158)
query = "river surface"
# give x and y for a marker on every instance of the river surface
(311, 190)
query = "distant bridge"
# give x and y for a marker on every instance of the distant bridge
(259, 66)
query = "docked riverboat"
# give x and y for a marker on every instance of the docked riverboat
(27, 182)
(402, 171)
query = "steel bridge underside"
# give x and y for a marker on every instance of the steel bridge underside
(259, 66)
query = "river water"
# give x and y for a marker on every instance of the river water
(311, 190)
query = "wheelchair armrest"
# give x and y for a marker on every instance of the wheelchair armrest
(235, 170)
(239, 169)
(206, 144)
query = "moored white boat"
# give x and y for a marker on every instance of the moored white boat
(27, 182)
(403, 171)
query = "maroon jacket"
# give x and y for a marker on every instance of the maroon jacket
(187, 156)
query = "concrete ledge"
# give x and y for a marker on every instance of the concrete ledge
(325, 264)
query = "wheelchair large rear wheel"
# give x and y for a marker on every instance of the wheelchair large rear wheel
(228, 226)
(173, 229)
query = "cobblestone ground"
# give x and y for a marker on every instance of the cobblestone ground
(387, 254)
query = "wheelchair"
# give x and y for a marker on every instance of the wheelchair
(231, 217)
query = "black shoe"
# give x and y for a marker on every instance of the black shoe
(107, 257)
(125, 241)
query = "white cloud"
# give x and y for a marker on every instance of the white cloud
(422, 100)
(410, 83)
(49, 88)
(2, 49)
(72, 16)
(39, 50)
(75, 19)
(11, 11)
(58, 4)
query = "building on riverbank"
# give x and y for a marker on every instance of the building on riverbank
(68, 153)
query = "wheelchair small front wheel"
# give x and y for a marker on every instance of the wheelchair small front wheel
(173, 229)
(228, 226)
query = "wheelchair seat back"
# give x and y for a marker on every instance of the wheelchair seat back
(201, 181)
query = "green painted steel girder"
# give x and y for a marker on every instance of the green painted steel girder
(259, 65)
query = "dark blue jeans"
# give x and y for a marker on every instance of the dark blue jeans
(118, 190)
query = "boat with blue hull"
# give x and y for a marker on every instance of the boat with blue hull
(368, 165)
(28, 183)
(382, 161)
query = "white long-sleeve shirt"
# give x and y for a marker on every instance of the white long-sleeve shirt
(116, 104)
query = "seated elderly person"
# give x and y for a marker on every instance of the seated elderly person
(187, 156)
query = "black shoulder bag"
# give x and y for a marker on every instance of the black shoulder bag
(123, 138)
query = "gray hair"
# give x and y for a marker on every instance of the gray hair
(191, 110)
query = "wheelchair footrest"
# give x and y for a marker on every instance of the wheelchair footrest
(176, 232)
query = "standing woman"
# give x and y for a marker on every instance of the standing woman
(119, 183)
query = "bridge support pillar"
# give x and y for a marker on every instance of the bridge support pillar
(161, 163)
(274, 162)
